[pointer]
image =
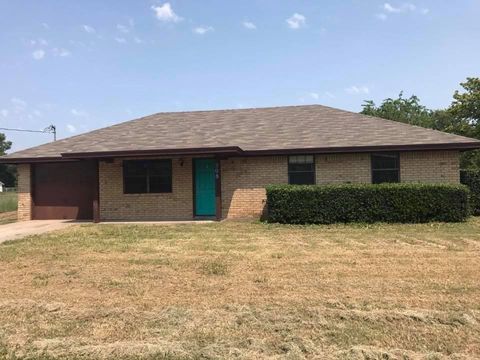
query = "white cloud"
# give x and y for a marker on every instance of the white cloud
(123, 28)
(399, 9)
(89, 29)
(45, 25)
(18, 103)
(79, 113)
(61, 52)
(405, 7)
(4, 112)
(390, 8)
(71, 128)
(39, 42)
(249, 25)
(202, 30)
(120, 40)
(37, 113)
(316, 96)
(296, 21)
(358, 89)
(137, 40)
(165, 13)
(38, 54)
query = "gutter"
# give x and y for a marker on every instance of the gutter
(363, 149)
(232, 151)
(225, 150)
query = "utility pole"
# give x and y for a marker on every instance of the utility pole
(53, 130)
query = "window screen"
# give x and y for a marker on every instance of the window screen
(385, 168)
(147, 176)
(301, 170)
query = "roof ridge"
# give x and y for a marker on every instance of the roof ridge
(237, 109)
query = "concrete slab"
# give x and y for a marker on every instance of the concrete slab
(22, 229)
(165, 222)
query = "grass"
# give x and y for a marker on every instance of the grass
(8, 202)
(243, 290)
(8, 217)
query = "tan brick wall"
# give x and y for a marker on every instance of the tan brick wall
(115, 205)
(244, 181)
(430, 166)
(24, 211)
(342, 168)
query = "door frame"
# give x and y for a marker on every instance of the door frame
(218, 189)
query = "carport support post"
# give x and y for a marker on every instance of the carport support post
(96, 194)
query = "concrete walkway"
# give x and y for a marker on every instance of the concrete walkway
(21, 229)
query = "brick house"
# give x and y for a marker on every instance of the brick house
(216, 164)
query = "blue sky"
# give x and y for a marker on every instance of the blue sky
(87, 64)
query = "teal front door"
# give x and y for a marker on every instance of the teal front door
(204, 187)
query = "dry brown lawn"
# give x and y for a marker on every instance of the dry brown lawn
(243, 290)
(7, 217)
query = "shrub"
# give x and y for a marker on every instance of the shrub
(471, 178)
(405, 203)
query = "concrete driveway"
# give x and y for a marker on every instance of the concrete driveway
(21, 229)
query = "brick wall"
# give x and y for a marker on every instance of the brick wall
(244, 181)
(24, 211)
(342, 168)
(430, 166)
(115, 205)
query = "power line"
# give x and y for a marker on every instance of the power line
(25, 130)
(48, 130)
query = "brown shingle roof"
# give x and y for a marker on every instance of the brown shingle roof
(253, 131)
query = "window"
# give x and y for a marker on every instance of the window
(301, 170)
(385, 168)
(147, 176)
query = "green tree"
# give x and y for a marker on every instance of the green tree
(4, 144)
(466, 106)
(406, 110)
(465, 109)
(7, 172)
(461, 118)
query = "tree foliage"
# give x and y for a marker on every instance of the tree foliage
(406, 110)
(7, 172)
(461, 118)
(466, 106)
(4, 144)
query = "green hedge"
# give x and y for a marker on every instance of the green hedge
(404, 203)
(471, 178)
